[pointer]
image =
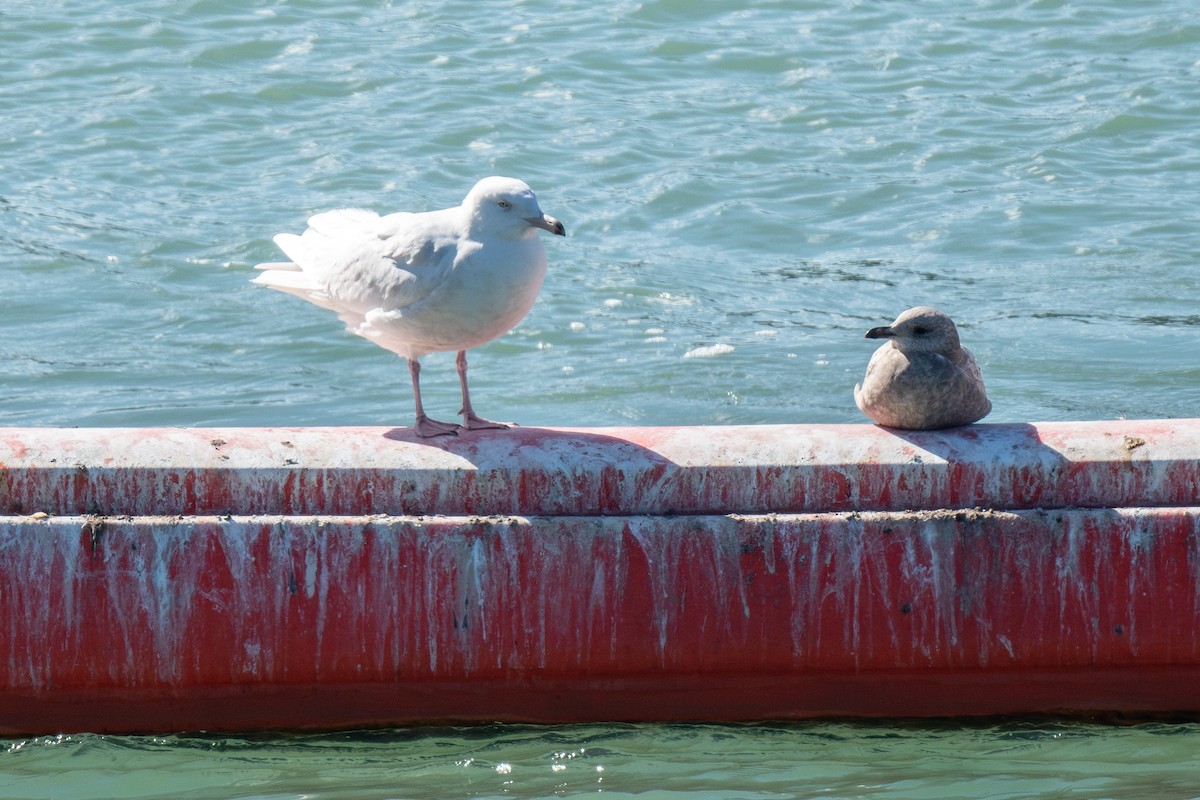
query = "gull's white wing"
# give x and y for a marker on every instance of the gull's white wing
(354, 260)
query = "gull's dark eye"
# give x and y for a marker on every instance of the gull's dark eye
(920, 330)
(505, 204)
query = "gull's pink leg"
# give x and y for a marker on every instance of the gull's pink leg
(426, 427)
(471, 420)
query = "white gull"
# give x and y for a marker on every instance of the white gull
(416, 283)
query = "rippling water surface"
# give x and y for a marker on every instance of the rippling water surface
(655, 762)
(747, 188)
(773, 179)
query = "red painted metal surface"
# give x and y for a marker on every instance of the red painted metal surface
(705, 470)
(159, 580)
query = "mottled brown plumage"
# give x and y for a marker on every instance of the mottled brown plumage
(922, 378)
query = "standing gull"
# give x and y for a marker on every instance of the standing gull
(416, 283)
(922, 378)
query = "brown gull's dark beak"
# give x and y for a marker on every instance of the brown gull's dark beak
(881, 333)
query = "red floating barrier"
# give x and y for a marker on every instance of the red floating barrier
(244, 579)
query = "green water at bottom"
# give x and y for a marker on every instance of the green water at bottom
(1005, 759)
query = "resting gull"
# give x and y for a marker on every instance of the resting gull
(921, 378)
(416, 283)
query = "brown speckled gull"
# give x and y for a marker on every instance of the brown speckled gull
(921, 378)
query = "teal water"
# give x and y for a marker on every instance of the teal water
(774, 179)
(747, 189)
(656, 762)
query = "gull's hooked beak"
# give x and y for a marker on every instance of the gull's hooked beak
(881, 333)
(547, 223)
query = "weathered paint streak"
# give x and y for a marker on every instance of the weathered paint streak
(176, 607)
(749, 469)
